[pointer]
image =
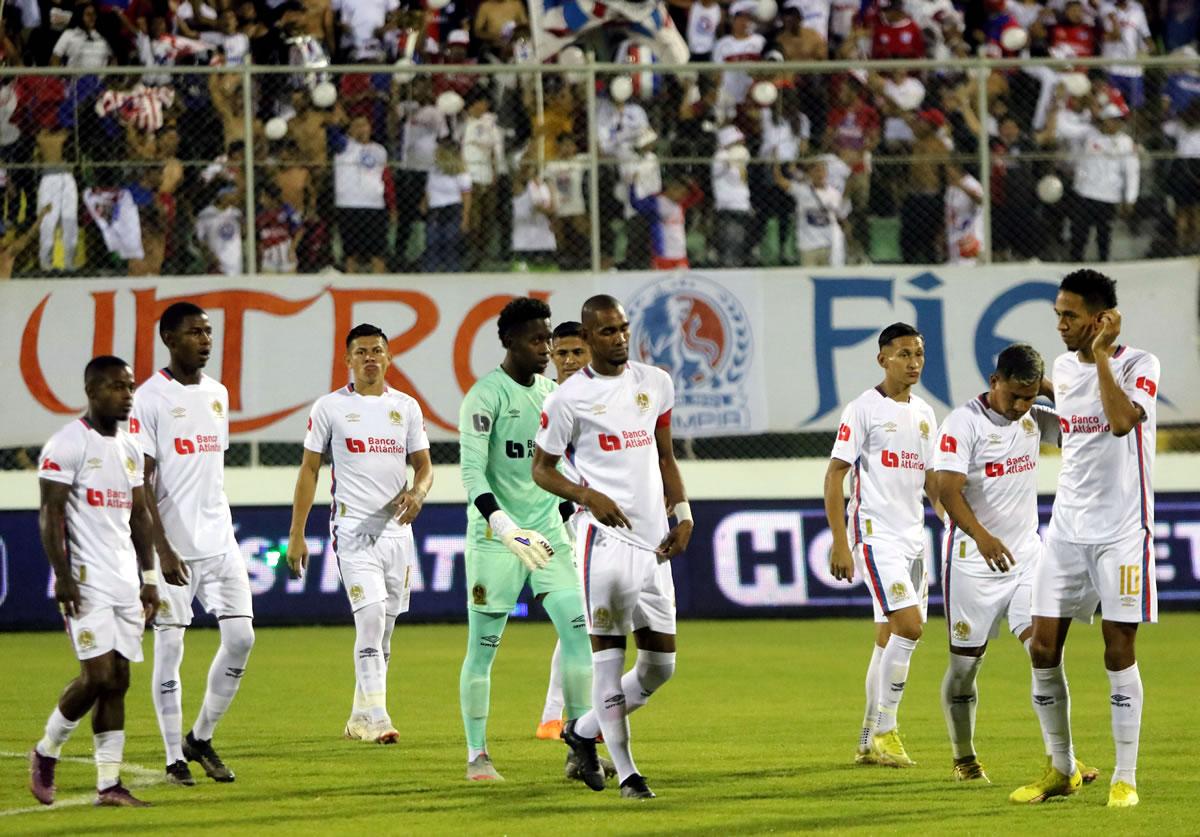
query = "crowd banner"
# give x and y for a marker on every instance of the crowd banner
(749, 351)
(747, 559)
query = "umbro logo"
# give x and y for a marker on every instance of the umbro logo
(963, 700)
(1120, 700)
(1043, 700)
(514, 413)
(368, 653)
(579, 622)
(490, 641)
(235, 673)
(169, 686)
(613, 701)
(899, 687)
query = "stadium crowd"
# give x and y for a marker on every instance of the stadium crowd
(146, 174)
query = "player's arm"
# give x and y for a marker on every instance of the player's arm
(548, 477)
(174, 571)
(1046, 388)
(994, 552)
(1123, 415)
(932, 492)
(302, 500)
(52, 525)
(677, 539)
(841, 561)
(410, 501)
(141, 530)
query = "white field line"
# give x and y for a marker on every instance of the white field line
(133, 775)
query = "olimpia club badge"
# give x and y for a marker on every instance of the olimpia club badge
(700, 333)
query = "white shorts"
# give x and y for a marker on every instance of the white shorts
(221, 583)
(100, 628)
(896, 581)
(375, 570)
(977, 598)
(1119, 576)
(625, 587)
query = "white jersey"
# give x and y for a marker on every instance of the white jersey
(736, 83)
(102, 472)
(702, 24)
(889, 443)
(605, 427)
(964, 220)
(1134, 31)
(370, 438)
(999, 459)
(1104, 487)
(220, 230)
(185, 430)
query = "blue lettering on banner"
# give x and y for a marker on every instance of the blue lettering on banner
(988, 344)
(827, 339)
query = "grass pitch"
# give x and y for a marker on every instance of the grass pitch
(755, 733)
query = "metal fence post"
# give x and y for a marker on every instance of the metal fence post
(593, 165)
(248, 128)
(985, 163)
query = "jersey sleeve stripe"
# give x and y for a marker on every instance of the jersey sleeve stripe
(1147, 568)
(1120, 350)
(873, 574)
(947, 561)
(857, 502)
(1142, 477)
(588, 540)
(664, 420)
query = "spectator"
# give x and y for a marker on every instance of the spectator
(58, 191)
(367, 95)
(1126, 35)
(703, 21)
(666, 214)
(533, 241)
(641, 176)
(820, 211)
(732, 198)
(964, 219)
(155, 220)
(619, 122)
(12, 243)
(1183, 85)
(1013, 200)
(922, 208)
(446, 205)
(421, 124)
(742, 43)
(896, 35)
(361, 24)
(364, 196)
(457, 44)
(1183, 184)
(483, 154)
(279, 227)
(219, 231)
(232, 45)
(494, 18)
(82, 45)
(852, 132)
(813, 41)
(565, 176)
(1106, 177)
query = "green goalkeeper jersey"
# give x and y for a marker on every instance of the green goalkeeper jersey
(497, 424)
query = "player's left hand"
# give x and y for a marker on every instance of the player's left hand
(149, 597)
(1107, 329)
(676, 540)
(408, 505)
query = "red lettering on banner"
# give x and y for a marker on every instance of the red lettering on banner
(31, 367)
(102, 335)
(482, 313)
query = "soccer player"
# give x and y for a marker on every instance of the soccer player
(507, 513)
(1099, 546)
(96, 534)
(373, 433)
(181, 418)
(569, 354)
(613, 422)
(886, 436)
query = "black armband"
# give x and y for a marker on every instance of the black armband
(566, 508)
(486, 504)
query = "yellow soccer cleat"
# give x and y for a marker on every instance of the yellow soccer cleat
(889, 750)
(1089, 774)
(549, 730)
(971, 771)
(1122, 795)
(1050, 785)
(866, 757)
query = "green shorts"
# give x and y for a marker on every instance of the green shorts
(495, 577)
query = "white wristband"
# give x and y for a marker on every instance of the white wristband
(682, 512)
(501, 523)
(150, 577)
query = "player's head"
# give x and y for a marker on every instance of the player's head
(1083, 295)
(1017, 380)
(524, 328)
(901, 354)
(606, 330)
(367, 354)
(187, 334)
(108, 382)
(567, 349)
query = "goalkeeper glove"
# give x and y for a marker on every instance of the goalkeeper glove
(533, 550)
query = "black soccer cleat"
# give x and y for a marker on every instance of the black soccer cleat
(202, 753)
(583, 761)
(635, 787)
(178, 774)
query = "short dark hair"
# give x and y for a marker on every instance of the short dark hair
(175, 314)
(1021, 363)
(568, 328)
(595, 304)
(364, 330)
(520, 311)
(897, 330)
(97, 366)
(1099, 292)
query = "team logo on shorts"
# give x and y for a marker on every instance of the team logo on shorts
(924, 428)
(356, 593)
(643, 401)
(86, 640)
(479, 594)
(1028, 426)
(395, 418)
(899, 591)
(962, 630)
(164, 607)
(602, 619)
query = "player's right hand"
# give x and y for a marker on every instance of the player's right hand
(995, 553)
(174, 570)
(841, 563)
(66, 592)
(533, 550)
(605, 510)
(297, 555)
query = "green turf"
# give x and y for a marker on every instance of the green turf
(754, 734)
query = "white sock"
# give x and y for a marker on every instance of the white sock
(608, 702)
(225, 674)
(1126, 704)
(552, 710)
(58, 730)
(652, 670)
(893, 674)
(872, 710)
(370, 670)
(359, 707)
(166, 689)
(1052, 703)
(109, 748)
(959, 699)
(1045, 741)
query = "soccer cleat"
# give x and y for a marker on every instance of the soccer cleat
(635, 787)
(118, 797)
(971, 771)
(866, 757)
(383, 733)
(549, 730)
(1122, 795)
(1050, 785)
(1089, 774)
(584, 752)
(889, 750)
(481, 769)
(202, 753)
(571, 768)
(358, 728)
(41, 777)
(178, 774)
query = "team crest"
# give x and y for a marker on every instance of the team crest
(164, 607)
(218, 410)
(86, 640)
(962, 630)
(356, 593)
(130, 466)
(395, 418)
(178, 412)
(602, 619)
(479, 595)
(924, 428)
(643, 401)
(1028, 426)
(899, 591)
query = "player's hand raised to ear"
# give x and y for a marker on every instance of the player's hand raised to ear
(676, 540)
(605, 510)
(297, 555)
(1108, 328)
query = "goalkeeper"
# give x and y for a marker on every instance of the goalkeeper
(515, 531)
